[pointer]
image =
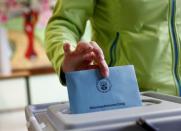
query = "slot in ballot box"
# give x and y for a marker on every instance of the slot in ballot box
(159, 112)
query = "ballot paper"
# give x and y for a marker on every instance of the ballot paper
(88, 91)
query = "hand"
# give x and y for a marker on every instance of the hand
(87, 55)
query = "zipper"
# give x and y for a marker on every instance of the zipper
(174, 41)
(113, 55)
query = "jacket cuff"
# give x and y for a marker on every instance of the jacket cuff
(62, 77)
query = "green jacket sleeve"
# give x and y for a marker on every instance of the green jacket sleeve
(67, 24)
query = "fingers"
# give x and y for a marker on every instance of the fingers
(84, 54)
(88, 56)
(92, 52)
(66, 48)
(99, 58)
(103, 67)
(83, 47)
(98, 51)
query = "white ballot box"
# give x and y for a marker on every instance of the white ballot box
(159, 112)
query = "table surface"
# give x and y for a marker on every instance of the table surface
(28, 72)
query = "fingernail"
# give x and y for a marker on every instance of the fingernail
(105, 73)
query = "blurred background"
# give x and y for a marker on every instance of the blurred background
(26, 75)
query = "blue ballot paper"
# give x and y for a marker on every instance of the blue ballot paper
(89, 92)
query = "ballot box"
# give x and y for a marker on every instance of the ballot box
(158, 112)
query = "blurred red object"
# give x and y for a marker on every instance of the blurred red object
(30, 20)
